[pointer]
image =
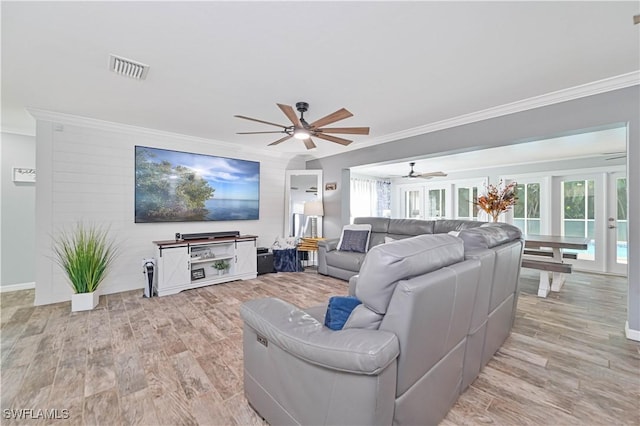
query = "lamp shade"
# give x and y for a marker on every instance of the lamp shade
(313, 208)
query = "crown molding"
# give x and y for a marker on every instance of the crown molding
(576, 92)
(16, 131)
(75, 120)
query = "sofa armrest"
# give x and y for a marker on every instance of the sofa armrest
(353, 282)
(325, 246)
(328, 245)
(298, 333)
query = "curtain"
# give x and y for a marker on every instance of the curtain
(370, 197)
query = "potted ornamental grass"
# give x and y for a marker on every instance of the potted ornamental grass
(85, 254)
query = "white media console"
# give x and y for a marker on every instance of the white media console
(182, 265)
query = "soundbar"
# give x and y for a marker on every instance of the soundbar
(209, 235)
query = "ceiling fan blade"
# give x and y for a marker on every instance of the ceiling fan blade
(345, 130)
(309, 143)
(291, 114)
(257, 133)
(259, 121)
(281, 140)
(335, 139)
(340, 114)
(431, 174)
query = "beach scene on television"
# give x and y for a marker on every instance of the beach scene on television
(173, 186)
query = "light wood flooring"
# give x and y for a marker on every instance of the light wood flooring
(177, 360)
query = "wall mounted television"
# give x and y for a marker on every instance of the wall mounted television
(173, 186)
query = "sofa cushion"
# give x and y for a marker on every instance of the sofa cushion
(445, 225)
(339, 310)
(354, 241)
(354, 227)
(489, 236)
(387, 264)
(411, 227)
(363, 317)
(378, 224)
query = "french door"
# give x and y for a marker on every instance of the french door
(594, 206)
(413, 203)
(616, 231)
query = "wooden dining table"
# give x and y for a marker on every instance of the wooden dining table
(547, 254)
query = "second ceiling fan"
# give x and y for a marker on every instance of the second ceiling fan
(429, 175)
(302, 130)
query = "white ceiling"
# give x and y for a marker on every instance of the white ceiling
(607, 145)
(396, 66)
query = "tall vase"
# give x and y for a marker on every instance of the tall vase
(495, 216)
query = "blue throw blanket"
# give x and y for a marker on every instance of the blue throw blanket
(287, 260)
(338, 311)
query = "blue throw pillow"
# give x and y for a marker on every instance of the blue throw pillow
(354, 241)
(338, 311)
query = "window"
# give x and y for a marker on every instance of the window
(526, 212)
(466, 209)
(437, 203)
(370, 197)
(412, 204)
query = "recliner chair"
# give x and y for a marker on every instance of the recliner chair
(401, 356)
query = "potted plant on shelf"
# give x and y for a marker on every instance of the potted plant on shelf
(85, 254)
(498, 199)
(221, 266)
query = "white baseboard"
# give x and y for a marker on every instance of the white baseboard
(631, 334)
(16, 287)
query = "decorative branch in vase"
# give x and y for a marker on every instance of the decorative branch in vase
(497, 199)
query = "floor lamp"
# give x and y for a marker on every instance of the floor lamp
(313, 210)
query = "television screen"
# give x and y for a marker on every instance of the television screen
(174, 186)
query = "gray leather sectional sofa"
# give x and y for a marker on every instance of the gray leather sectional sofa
(344, 265)
(434, 310)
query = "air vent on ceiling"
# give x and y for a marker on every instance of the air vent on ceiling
(127, 67)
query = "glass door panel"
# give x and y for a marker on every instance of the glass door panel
(437, 206)
(526, 212)
(583, 205)
(578, 215)
(466, 209)
(617, 225)
(413, 204)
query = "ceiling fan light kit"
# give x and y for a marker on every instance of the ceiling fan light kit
(302, 130)
(301, 134)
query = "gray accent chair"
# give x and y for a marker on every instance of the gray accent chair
(435, 308)
(344, 265)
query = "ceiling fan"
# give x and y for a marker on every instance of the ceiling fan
(615, 155)
(303, 130)
(413, 174)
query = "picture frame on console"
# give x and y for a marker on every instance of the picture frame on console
(197, 274)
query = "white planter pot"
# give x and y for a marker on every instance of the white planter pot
(84, 301)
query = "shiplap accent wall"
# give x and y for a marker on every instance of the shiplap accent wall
(86, 173)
